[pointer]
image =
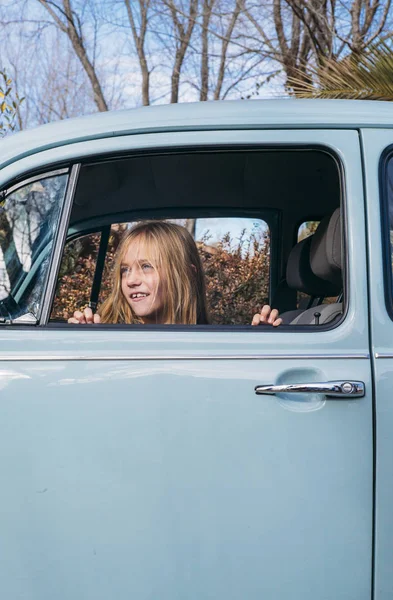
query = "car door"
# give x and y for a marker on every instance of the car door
(141, 463)
(377, 148)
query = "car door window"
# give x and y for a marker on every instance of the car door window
(387, 223)
(29, 215)
(242, 214)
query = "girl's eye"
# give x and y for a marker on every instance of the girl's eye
(146, 266)
(124, 271)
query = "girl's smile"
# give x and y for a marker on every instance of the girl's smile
(138, 296)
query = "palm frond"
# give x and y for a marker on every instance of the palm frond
(366, 76)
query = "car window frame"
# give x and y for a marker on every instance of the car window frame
(80, 160)
(58, 245)
(387, 247)
(275, 237)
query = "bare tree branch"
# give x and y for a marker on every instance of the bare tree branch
(239, 6)
(70, 28)
(139, 41)
(183, 36)
(207, 8)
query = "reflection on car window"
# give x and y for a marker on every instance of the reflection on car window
(306, 229)
(28, 220)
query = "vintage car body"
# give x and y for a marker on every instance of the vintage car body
(140, 462)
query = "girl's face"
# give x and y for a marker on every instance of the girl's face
(141, 284)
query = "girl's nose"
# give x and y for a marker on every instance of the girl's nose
(133, 277)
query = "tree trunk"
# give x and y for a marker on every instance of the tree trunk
(70, 28)
(139, 41)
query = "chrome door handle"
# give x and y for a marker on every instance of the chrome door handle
(333, 389)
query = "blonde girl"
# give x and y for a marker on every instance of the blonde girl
(158, 278)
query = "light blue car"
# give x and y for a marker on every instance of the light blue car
(196, 462)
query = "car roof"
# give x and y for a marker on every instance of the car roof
(256, 114)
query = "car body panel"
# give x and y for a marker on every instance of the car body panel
(172, 479)
(374, 144)
(230, 115)
(63, 154)
(141, 462)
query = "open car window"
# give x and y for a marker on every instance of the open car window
(242, 208)
(235, 255)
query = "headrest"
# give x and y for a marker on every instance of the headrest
(326, 250)
(300, 276)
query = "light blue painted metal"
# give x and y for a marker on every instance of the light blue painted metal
(170, 478)
(167, 141)
(374, 143)
(174, 480)
(265, 114)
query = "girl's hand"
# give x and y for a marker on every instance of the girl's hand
(267, 316)
(87, 316)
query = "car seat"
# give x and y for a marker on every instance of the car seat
(325, 259)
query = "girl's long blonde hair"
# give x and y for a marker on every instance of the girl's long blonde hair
(174, 254)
